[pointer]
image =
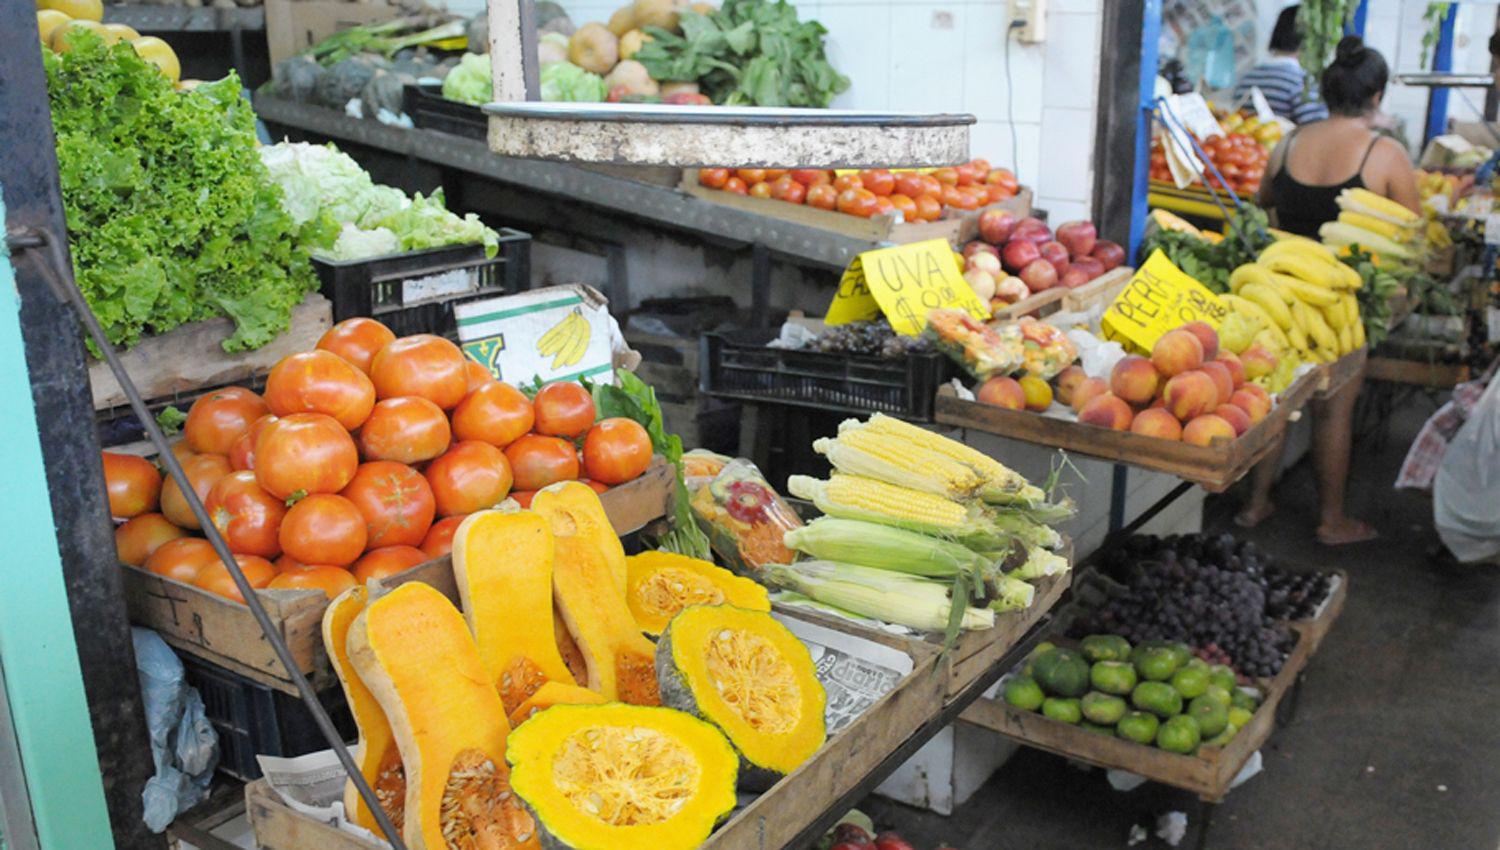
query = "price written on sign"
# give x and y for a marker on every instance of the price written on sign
(1160, 298)
(905, 283)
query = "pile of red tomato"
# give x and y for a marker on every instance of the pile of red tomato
(1238, 156)
(359, 461)
(919, 196)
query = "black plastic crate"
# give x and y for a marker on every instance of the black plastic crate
(253, 719)
(739, 365)
(416, 292)
(429, 110)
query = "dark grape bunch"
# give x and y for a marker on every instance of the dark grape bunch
(1212, 592)
(869, 339)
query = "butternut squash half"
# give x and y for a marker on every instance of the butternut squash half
(376, 753)
(747, 674)
(658, 585)
(622, 777)
(550, 694)
(413, 651)
(574, 507)
(503, 565)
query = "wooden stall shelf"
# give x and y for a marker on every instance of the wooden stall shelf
(1338, 374)
(1315, 628)
(1438, 376)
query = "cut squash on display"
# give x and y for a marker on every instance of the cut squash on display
(573, 508)
(414, 652)
(614, 777)
(376, 754)
(550, 694)
(660, 584)
(747, 674)
(502, 563)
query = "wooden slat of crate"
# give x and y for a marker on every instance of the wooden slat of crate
(1315, 628)
(1442, 376)
(224, 632)
(1038, 304)
(1207, 774)
(770, 821)
(1339, 373)
(190, 357)
(1102, 288)
(1214, 467)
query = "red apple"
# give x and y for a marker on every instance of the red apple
(1078, 236)
(979, 247)
(1055, 253)
(1073, 278)
(1108, 253)
(1039, 275)
(1018, 254)
(995, 226)
(1031, 230)
(1011, 289)
(983, 284)
(985, 262)
(1089, 266)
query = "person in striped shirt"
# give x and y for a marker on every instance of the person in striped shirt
(1281, 78)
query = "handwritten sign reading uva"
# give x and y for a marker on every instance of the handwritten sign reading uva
(905, 283)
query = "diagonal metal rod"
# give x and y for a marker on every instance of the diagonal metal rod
(1168, 118)
(46, 254)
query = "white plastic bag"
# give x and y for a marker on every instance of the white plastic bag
(1466, 492)
(184, 745)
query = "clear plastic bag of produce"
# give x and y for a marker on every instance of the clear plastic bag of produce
(742, 514)
(980, 349)
(1045, 350)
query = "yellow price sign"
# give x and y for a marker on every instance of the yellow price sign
(1158, 299)
(905, 283)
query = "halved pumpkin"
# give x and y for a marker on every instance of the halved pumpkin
(658, 585)
(747, 674)
(376, 753)
(503, 565)
(550, 694)
(619, 777)
(414, 652)
(575, 507)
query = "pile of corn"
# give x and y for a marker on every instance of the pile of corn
(920, 530)
(1379, 226)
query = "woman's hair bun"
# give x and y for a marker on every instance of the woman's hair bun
(1350, 52)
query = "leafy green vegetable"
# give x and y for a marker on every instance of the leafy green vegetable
(170, 420)
(1374, 296)
(1210, 263)
(469, 82)
(1321, 24)
(748, 52)
(171, 216)
(386, 38)
(564, 81)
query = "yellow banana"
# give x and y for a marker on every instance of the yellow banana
(577, 342)
(1246, 307)
(1351, 310)
(1303, 291)
(1304, 268)
(556, 337)
(1344, 277)
(1270, 301)
(1317, 329)
(1346, 340)
(1359, 335)
(1298, 338)
(1248, 273)
(1333, 314)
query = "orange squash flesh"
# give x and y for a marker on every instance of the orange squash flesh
(574, 508)
(375, 753)
(550, 694)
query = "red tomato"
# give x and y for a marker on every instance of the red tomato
(537, 461)
(883, 205)
(616, 450)
(215, 577)
(422, 365)
(906, 205)
(439, 539)
(304, 453)
(934, 185)
(760, 190)
(319, 382)
(845, 182)
(971, 197)
(910, 184)
(496, 413)
(142, 535)
(471, 476)
(522, 497)
(966, 175)
(218, 418)
(737, 186)
(331, 580)
(774, 174)
(857, 202)
(946, 176)
(751, 176)
(248, 517)
(387, 561)
(286, 563)
(793, 192)
(713, 178)
(994, 193)
(878, 180)
(1004, 177)
(951, 196)
(182, 559)
(778, 187)
(324, 529)
(563, 409)
(357, 340)
(203, 472)
(132, 483)
(406, 430)
(822, 196)
(929, 208)
(242, 453)
(979, 166)
(477, 376)
(395, 500)
(811, 177)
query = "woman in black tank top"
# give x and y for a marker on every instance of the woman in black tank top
(1307, 172)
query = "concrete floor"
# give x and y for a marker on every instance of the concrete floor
(1394, 743)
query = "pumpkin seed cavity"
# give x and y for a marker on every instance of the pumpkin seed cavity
(668, 590)
(754, 680)
(625, 775)
(478, 811)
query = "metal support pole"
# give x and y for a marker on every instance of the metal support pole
(1118, 119)
(1139, 208)
(1442, 60)
(1356, 25)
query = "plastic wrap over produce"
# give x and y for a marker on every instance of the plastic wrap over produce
(742, 514)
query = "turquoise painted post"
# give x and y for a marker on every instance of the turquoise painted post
(42, 682)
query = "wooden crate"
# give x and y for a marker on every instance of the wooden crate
(1101, 289)
(1441, 376)
(769, 821)
(957, 226)
(1315, 628)
(1215, 467)
(292, 26)
(225, 633)
(189, 358)
(1207, 773)
(1338, 374)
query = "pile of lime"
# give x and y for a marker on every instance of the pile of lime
(1152, 693)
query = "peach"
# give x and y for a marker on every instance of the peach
(1066, 381)
(1177, 352)
(1255, 407)
(1191, 394)
(1206, 335)
(1235, 365)
(1086, 390)
(1156, 422)
(1038, 393)
(1203, 430)
(1134, 379)
(1235, 416)
(1222, 379)
(1106, 411)
(1259, 390)
(1258, 362)
(1002, 392)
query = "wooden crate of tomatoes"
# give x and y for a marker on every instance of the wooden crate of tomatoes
(358, 463)
(1238, 157)
(932, 204)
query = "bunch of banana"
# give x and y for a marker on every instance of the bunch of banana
(1303, 297)
(566, 341)
(1378, 225)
